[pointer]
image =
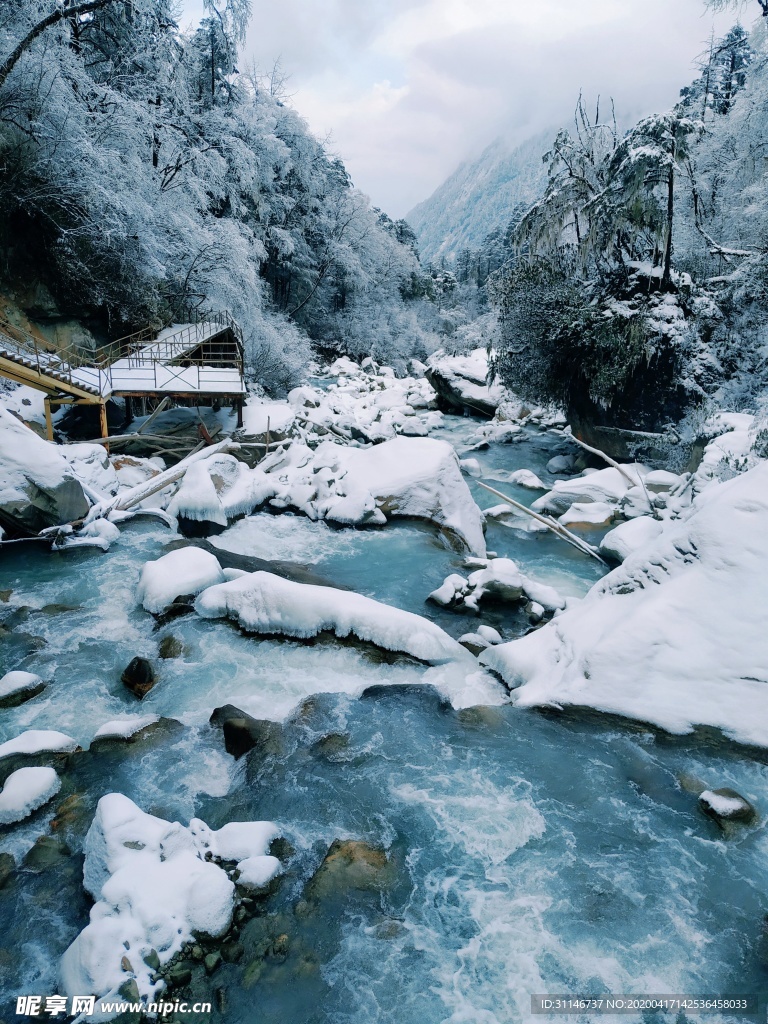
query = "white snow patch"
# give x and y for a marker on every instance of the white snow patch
(676, 635)
(38, 741)
(25, 790)
(184, 571)
(264, 603)
(154, 890)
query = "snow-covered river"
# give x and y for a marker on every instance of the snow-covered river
(531, 852)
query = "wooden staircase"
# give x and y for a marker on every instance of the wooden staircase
(187, 361)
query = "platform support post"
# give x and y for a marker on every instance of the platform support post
(48, 420)
(103, 422)
(239, 413)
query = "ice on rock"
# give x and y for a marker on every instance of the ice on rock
(263, 603)
(184, 571)
(38, 741)
(154, 890)
(258, 872)
(490, 634)
(26, 790)
(676, 635)
(628, 537)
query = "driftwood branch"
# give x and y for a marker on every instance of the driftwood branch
(557, 528)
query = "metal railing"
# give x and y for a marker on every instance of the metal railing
(141, 351)
(58, 363)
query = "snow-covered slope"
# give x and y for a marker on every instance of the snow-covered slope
(676, 635)
(479, 196)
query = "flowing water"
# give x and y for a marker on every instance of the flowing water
(530, 852)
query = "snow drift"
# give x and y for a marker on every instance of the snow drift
(676, 635)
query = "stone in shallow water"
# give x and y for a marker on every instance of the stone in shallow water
(171, 647)
(242, 732)
(139, 677)
(726, 805)
(17, 687)
(350, 864)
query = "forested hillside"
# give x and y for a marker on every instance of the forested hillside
(481, 196)
(144, 174)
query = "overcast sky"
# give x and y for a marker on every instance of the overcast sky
(407, 89)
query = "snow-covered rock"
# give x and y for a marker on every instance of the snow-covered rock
(461, 382)
(420, 478)
(630, 536)
(603, 485)
(726, 805)
(124, 728)
(154, 890)
(586, 514)
(218, 489)
(263, 603)
(19, 686)
(37, 486)
(26, 790)
(258, 417)
(497, 580)
(676, 635)
(525, 478)
(183, 571)
(90, 464)
(38, 741)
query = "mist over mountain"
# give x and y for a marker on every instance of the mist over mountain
(480, 196)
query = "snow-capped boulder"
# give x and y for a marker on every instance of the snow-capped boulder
(37, 486)
(726, 805)
(496, 580)
(604, 485)
(26, 790)
(263, 603)
(38, 741)
(183, 571)
(17, 687)
(217, 489)
(420, 478)
(461, 383)
(628, 537)
(155, 887)
(676, 635)
(90, 464)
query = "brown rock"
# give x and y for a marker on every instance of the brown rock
(139, 677)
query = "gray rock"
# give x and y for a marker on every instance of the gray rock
(242, 732)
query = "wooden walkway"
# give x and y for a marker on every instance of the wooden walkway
(184, 361)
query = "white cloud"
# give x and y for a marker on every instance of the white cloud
(408, 88)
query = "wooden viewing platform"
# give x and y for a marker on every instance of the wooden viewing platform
(184, 361)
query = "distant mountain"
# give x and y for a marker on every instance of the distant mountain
(479, 196)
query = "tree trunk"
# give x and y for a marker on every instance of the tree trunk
(666, 280)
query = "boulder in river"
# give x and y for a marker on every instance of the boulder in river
(726, 805)
(242, 732)
(350, 864)
(139, 677)
(17, 687)
(38, 487)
